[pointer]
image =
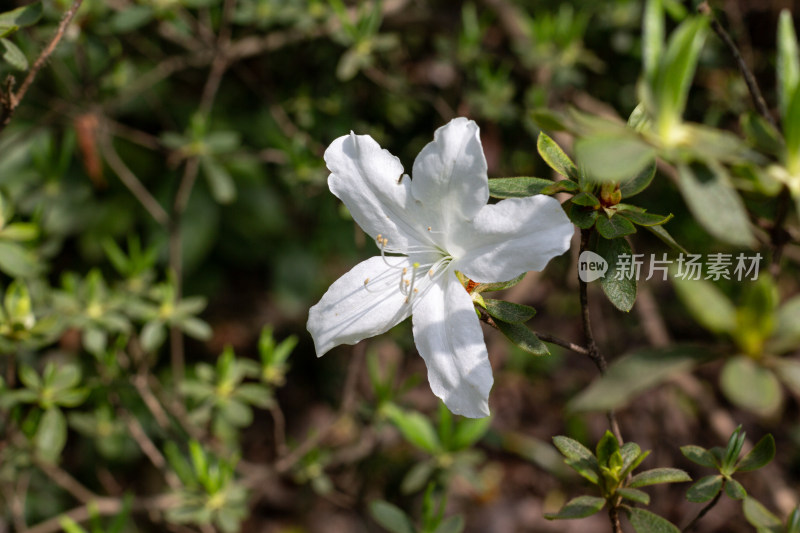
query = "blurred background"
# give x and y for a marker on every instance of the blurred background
(171, 151)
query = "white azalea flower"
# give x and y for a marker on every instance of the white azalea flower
(427, 228)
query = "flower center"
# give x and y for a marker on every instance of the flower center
(414, 281)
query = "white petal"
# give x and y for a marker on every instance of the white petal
(448, 336)
(514, 236)
(352, 310)
(449, 176)
(370, 182)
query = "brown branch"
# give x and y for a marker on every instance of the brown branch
(706, 509)
(286, 462)
(104, 507)
(594, 352)
(13, 100)
(129, 179)
(150, 450)
(749, 79)
(63, 479)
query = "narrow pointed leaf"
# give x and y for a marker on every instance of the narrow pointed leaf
(652, 37)
(707, 304)
(760, 517)
(639, 182)
(761, 454)
(735, 490)
(634, 495)
(525, 186)
(555, 157)
(618, 287)
(699, 455)
(788, 64)
(657, 476)
(508, 311)
(613, 157)
(523, 337)
(579, 458)
(614, 227)
(635, 373)
(666, 238)
(22, 16)
(715, 204)
(705, 489)
(579, 507)
(643, 521)
(751, 386)
(645, 219)
(13, 55)
(390, 517)
(415, 427)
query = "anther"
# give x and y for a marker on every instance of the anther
(366, 281)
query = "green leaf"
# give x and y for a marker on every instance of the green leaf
(579, 507)
(470, 431)
(715, 204)
(760, 517)
(761, 454)
(705, 489)
(699, 455)
(666, 238)
(523, 337)
(620, 292)
(508, 311)
(586, 199)
(643, 521)
(788, 62)
(153, 336)
(69, 525)
(639, 182)
(51, 435)
(29, 377)
(632, 456)
(635, 373)
(13, 55)
(676, 70)
(644, 219)
(761, 134)
(453, 524)
(416, 478)
(578, 457)
(196, 328)
(22, 16)
(219, 180)
(581, 216)
(707, 304)
(637, 496)
(390, 517)
(614, 227)
(555, 157)
(17, 262)
(130, 19)
(735, 490)
(652, 38)
(498, 286)
(659, 475)
(415, 428)
(751, 386)
(786, 335)
(523, 187)
(613, 157)
(606, 447)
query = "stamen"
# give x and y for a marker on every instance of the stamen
(366, 281)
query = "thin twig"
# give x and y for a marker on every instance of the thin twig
(150, 450)
(749, 79)
(577, 348)
(14, 99)
(64, 480)
(104, 507)
(594, 352)
(285, 463)
(129, 179)
(280, 428)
